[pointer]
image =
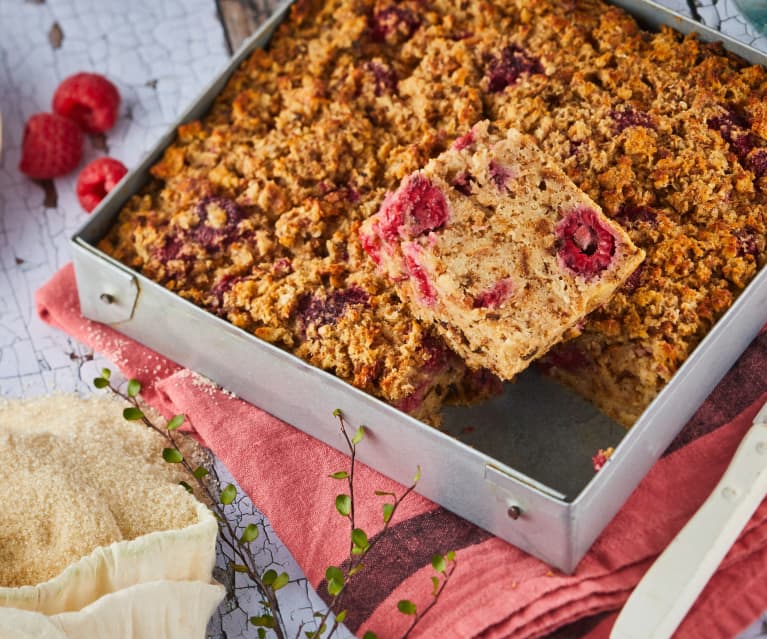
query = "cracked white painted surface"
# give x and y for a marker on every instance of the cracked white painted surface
(160, 54)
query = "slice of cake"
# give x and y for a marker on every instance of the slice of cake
(493, 243)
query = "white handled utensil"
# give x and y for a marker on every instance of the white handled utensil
(673, 583)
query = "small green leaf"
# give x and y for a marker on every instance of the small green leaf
(335, 588)
(134, 387)
(106, 373)
(450, 556)
(388, 511)
(341, 474)
(341, 616)
(358, 436)
(335, 579)
(337, 412)
(269, 576)
(334, 573)
(228, 494)
(239, 568)
(101, 382)
(200, 472)
(309, 634)
(281, 581)
(417, 477)
(435, 581)
(360, 539)
(344, 504)
(132, 414)
(175, 422)
(265, 621)
(172, 455)
(384, 493)
(406, 607)
(355, 569)
(438, 563)
(249, 534)
(261, 633)
(188, 488)
(370, 635)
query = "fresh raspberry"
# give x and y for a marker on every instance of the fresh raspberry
(97, 179)
(52, 146)
(585, 245)
(90, 100)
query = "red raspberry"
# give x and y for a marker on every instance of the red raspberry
(586, 246)
(97, 179)
(90, 100)
(52, 146)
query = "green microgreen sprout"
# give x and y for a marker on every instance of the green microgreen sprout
(268, 583)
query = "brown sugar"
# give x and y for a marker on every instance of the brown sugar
(77, 476)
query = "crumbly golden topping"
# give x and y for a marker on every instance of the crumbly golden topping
(254, 211)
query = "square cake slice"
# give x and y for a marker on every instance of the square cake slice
(497, 247)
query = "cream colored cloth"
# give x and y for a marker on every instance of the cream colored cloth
(97, 539)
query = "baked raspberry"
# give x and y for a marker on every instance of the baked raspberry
(465, 141)
(385, 78)
(600, 459)
(97, 179)
(747, 241)
(462, 182)
(371, 244)
(320, 311)
(506, 69)
(419, 207)
(413, 255)
(393, 23)
(170, 250)
(634, 280)
(628, 117)
(748, 147)
(218, 217)
(90, 100)
(567, 357)
(586, 246)
(495, 296)
(500, 174)
(631, 214)
(52, 146)
(757, 162)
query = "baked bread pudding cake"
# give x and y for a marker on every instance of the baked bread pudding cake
(254, 212)
(497, 248)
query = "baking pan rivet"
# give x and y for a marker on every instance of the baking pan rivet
(514, 512)
(107, 298)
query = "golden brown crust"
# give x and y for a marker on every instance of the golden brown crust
(664, 132)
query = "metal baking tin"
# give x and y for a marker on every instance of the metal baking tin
(526, 452)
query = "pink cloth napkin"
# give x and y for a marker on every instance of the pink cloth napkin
(497, 590)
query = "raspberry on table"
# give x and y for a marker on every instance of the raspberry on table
(52, 146)
(97, 179)
(90, 100)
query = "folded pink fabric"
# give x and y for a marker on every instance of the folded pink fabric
(497, 590)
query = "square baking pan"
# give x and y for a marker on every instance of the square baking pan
(513, 465)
